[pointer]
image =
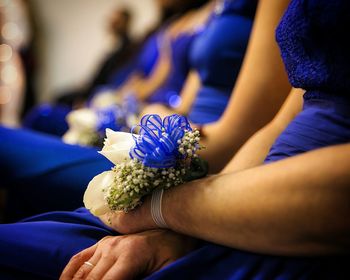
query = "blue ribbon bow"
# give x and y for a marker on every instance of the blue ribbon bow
(157, 143)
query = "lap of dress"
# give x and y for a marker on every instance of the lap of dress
(41, 173)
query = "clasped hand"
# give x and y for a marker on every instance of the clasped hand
(128, 256)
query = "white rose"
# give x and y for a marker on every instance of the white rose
(71, 136)
(105, 99)
(117, 146)
(132, 120)
(94, 196)
(82, 123)
(82, 120)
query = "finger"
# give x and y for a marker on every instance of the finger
(104, 260)
(76, 262)
(102, 266)
(88, 266)
(104, 238)
(84, 270)
(124, 269)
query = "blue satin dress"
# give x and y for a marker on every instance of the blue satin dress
(217, 57)
(51, 119)
(313, 44)
(41, 173)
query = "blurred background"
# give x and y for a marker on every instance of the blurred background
(59, 45)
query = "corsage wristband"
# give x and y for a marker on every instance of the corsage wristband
(156, 208)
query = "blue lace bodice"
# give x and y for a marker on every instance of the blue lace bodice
(312, 36)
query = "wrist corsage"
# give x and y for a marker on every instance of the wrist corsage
(161, 155)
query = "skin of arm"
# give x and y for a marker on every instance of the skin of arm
(255, 150)
(297, 206)
(145, 87)
(260, 90)
(186, 24)
(188, 94)
(192, 83)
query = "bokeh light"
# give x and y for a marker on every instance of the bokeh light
(4, 3)
(5, 53)
(9, 74)
(10, 31)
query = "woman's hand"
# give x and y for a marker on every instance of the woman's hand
(128, 256)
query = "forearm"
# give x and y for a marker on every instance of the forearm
(130, 84)
(255, 150)
(189, 93)
(260, 90)
(158, 76)
(295, 206)
(158, 109)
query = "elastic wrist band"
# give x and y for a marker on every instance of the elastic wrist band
(156, 208)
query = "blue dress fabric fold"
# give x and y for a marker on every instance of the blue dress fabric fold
(41, 173)
(217, 58)
(43, 244)
(48, 118)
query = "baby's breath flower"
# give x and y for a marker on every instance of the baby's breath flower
(126, 191)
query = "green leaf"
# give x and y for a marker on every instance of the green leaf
(198, 169)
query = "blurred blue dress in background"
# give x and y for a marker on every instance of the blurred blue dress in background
(51, 119)
(217, 58)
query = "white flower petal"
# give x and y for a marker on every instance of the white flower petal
(82, 119)
(105, 98)
(115, 137)
(116, 157)
(94, 197)
(117, 146)
(71, 136)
